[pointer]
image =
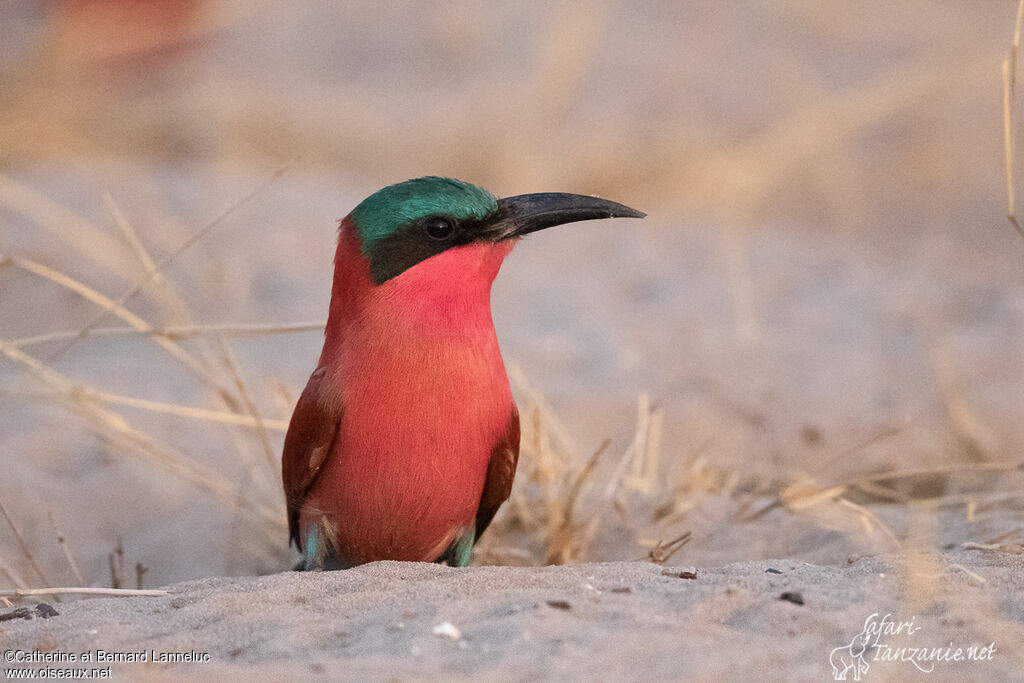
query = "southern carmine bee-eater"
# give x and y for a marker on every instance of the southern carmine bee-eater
(405, 441)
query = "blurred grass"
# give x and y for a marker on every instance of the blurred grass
(880, 122)
(794, 111)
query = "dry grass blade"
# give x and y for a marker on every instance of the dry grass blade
(802, 496)
(1004, 536)
(761, 512)
(22, 543)
(662, 552)
(974, 575)
(553, 516)
(82, 236)
(65, 549)
(642, 455)
(166, 261)
(220, 416)
(646, 437)
(971, 545)
(693, 477)
(180, 311)
(267, 473)
(643, 474)
(114, 426)
(131, 236)
(552, 425)
(163, 293)
(884, 493)
(84, 590)
(980, 500)
(174, 332)
(1009, 119)
(871, 520)
(880, 435)
(996, 543)
(803, 499)
(140, 571)
(995, 466)
(137, 323)
(562, 545)
(261, 429)
(204, 414)
(1011, 548)
(582, 478)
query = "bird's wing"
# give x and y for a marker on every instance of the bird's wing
(500, 471)
(308, 443)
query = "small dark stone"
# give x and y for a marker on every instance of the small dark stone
(771, 570)
(678, 575)
(559, 604)
(42, 610)
(237, 651)
(622, 589)
(46, 611)
(20, 613)
(793, 597)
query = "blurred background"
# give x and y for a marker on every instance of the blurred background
(813, 340)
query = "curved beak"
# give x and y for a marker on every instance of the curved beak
(526, 213)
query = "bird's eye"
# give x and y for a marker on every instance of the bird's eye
(438, 228)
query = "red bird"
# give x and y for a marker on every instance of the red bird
(405, 441)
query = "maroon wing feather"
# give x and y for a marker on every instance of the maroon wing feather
(308, 444)
(501, 470)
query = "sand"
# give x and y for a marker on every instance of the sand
(825, 290)
(612, 621)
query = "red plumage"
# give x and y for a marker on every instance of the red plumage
(406, 434)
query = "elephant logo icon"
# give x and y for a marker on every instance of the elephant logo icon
(853, 657)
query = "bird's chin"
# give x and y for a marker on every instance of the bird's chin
(459, 278)
(471, 264)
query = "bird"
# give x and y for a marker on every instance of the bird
(405, 440)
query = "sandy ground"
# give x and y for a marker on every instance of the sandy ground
(698, 616)
(612, 621)
(826, 291)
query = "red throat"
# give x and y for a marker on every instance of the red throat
(419, 376)
(445, 296)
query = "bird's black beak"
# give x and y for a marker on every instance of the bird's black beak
(526, 213)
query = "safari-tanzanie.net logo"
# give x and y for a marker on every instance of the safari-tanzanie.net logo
(883, 639)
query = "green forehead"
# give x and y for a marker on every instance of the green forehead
(386, 211)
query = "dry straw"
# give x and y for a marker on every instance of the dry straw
(562, 499)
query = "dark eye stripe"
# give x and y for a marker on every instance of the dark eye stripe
(392, 255)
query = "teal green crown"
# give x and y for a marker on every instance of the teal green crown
(397, 206)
